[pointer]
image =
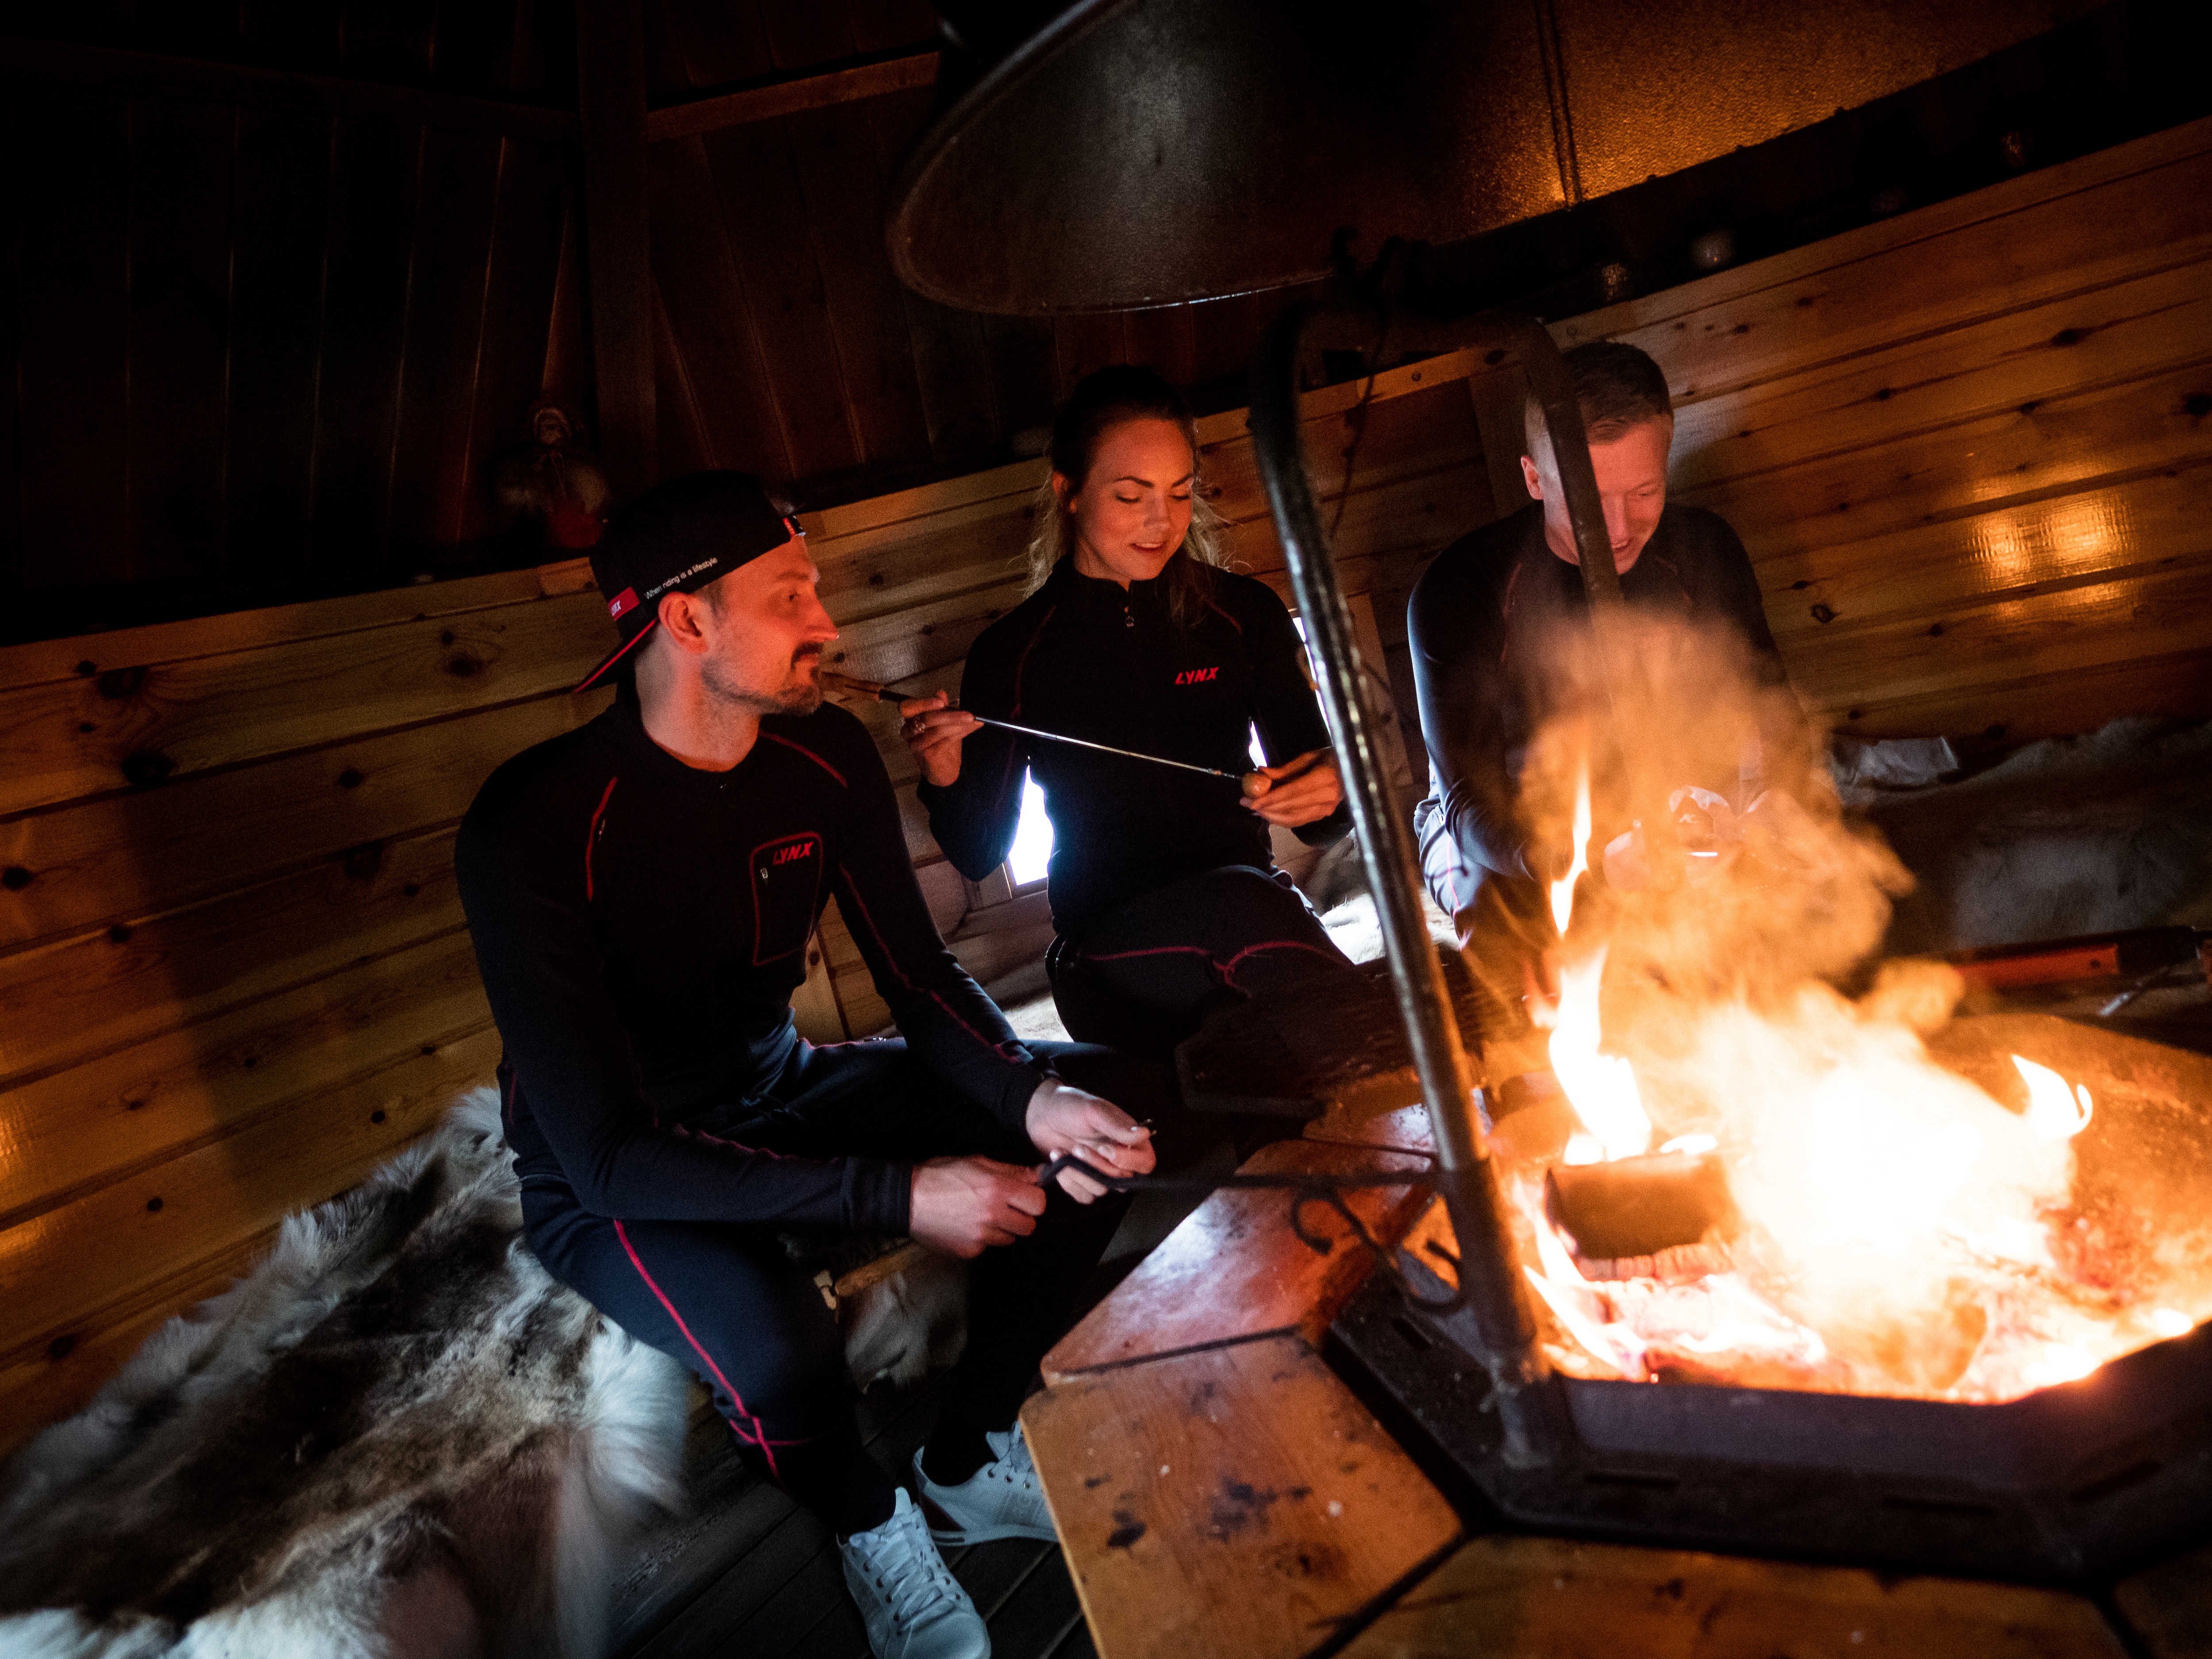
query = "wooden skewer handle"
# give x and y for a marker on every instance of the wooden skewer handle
(833, 681)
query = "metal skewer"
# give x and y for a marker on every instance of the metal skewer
(837, 682)
(1108, 749)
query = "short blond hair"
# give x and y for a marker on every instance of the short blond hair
(1617, 386)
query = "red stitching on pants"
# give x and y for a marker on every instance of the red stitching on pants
(760, 1435)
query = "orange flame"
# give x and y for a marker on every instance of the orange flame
(1601, 1087)
(1563, 891)
(1881, 1190)
(2054, 1111)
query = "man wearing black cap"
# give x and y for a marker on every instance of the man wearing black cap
(642, 891)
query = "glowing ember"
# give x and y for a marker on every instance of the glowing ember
(2057, 1364)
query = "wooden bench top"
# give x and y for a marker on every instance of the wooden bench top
(1236, 1500)
(1234, 1270)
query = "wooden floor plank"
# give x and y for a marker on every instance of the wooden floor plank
(992, 1573)
(710, 1583)
(724, 1526)
(838, 1634)
(1036, 1616)
(1548, 1598)
(1237, 1504)
(781, 1625)
(708, 1626)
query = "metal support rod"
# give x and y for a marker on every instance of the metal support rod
(1529, 1410)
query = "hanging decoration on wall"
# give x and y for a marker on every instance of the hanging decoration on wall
(555, 478)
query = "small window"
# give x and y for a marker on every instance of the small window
(1032, 848)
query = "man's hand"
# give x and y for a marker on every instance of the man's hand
(1703, 841)
(1065, 1120)
(1313, 792)
(963, 1206)
(933, 732)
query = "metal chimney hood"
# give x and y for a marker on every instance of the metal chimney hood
(1133, 152)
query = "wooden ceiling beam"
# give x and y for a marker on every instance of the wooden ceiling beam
(788, 96)
(70, 63)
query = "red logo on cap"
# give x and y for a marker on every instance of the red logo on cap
(625, 600)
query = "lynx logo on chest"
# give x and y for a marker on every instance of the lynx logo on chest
(1198, 676)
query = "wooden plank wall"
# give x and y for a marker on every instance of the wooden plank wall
(234, 975)
(233, 970)
(1969, 449)
(788, 348)
(254, 345)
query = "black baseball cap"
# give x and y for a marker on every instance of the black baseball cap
(676, 538)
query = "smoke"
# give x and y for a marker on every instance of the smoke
(1732, 872)
(1890, 1205)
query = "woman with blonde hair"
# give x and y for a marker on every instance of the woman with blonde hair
(1164, 891)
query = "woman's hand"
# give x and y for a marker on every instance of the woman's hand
(933, 732)
(1062, 1119)
(1313, 790)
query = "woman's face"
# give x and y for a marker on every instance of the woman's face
(1132, 510)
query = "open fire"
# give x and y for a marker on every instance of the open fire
(1829, 1208)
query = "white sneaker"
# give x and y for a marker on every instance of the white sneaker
(1002, 1499)
(912, 1607)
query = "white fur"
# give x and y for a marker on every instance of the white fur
(2067, 836)
(907, 1325)
(372, 1563)
(364, 1570)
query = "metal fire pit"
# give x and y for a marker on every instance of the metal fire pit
(2068, 1484)
(2071, 1484)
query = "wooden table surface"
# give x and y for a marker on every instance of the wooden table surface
(1221, 1494)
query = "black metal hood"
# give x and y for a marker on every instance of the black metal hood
(1135, 152)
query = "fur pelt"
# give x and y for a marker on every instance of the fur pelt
(398, 1435)
(907, 1324)
(2067, 836)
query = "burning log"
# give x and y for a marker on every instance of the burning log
(1665, 1216)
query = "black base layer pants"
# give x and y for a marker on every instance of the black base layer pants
(727, 1300)
(1504, 922)
(1145, 976)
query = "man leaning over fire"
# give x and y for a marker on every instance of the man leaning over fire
(641, 892)
(1494, 622)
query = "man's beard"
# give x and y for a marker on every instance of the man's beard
(795, 696)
